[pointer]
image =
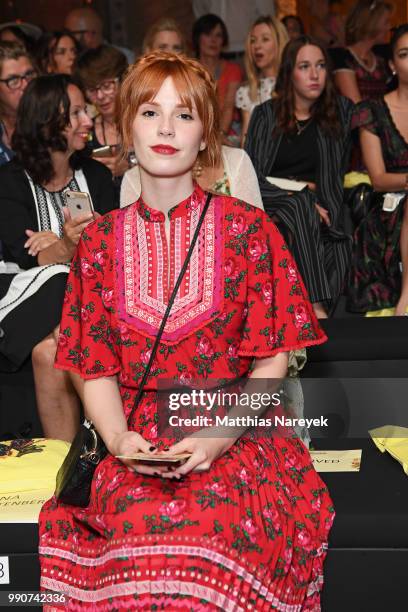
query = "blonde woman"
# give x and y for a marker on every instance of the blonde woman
(263, 50)
(164, 35)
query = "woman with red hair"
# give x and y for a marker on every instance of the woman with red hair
(244, 520)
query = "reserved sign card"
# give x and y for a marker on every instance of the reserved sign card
(336, 460)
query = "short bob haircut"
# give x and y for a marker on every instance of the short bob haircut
(42, 116)
(194, 84)
(100, 64)
(362, 20)
(205, 25)
(280, 37)
(166, 24)
(12, 51)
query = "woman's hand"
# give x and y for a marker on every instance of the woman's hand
(38, 241)
(130, 442)
(401, 308)
(73, 229)
(115, 164)
(203, 452)
(324, 214)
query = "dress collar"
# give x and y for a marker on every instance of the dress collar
(179, 210)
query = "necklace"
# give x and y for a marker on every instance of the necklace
(301, 125)
(369, 63)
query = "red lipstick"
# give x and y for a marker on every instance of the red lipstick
(163, 149)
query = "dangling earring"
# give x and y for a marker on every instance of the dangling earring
(197, 170)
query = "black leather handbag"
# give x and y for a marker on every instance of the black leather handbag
(74, 478)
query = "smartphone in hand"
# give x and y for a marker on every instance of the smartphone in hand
(78, 203)
(105, 151)
(157, 459)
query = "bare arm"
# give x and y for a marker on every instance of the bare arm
(63, 249)
(346, 83)
(245, 122)
(227, 110)
(374, 161)
(103, 406)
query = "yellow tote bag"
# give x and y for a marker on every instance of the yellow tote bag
(27, 476)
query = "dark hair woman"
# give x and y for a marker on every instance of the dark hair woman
(57, 53)
(383, 122)
(294, 26)
(100, 71)
(210, 37)
(303, 135)
(39, 237)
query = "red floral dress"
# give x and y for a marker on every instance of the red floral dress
(251, 532)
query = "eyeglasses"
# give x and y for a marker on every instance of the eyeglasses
(107, 87)
(15, 81)
(81, 33)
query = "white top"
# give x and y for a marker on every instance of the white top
(237, 166)
(238, 16)
(265, 90)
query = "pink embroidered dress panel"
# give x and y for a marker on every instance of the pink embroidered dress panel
(148, 268)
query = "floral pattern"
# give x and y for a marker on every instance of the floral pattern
(250, 533)
(375, 279)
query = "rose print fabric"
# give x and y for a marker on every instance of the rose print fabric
(250, 533)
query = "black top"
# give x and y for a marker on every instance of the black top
(297, 156)
(18, 210)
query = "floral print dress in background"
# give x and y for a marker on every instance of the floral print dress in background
(375, 280)
(251, 532)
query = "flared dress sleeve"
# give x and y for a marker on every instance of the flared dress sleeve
(87, 339)
(279, 314)
(364, 117)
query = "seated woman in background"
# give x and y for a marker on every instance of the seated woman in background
(38, 233)
(376, 277)
(304, 134)
(210, 37)
(57, 53)
(263, 51)
(100, 71)
(25, 35)
(244, 523)
(359, 73)
(294, 26)
(164, 35)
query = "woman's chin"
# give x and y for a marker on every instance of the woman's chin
(160, 173)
